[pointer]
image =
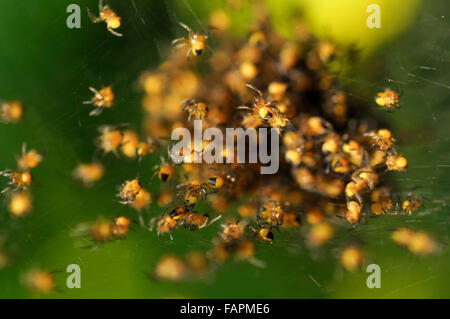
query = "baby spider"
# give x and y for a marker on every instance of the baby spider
(382, 138)
(178, 215)
(233, 231)
(411, 203)
(196, 109)
(221, 178)
(388, 100)
(331, 144)
(192, 191)
(352, 258)
(320, 234)
(146, 147)
(110, 139)
(88, 173)
(102, 99)
(382, 201)
(396, 163)
(164, 224)
(20, 204)
(262, 233)
(363, 178)
(355, 152)
(353, 214)
(142, 199)
(93, 234)
(178, 212)
(165, 171)
(129, 190)
(11, 111)
(266, 111)
(195, 41)
(338, 164)
(317, 126)
(109, 16)
(241, 249)
(19, 180)
(270, 214)
(29, 159)
(170, 268)
(121, 226)
(194, 220)
(40, 281)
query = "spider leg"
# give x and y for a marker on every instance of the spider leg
(185, 26)
(359, 198)
(114, 32)
(215, 219)
(186, 103)
(366, 159)
(95, 112)
(273, 105)
(370, 184)
(257, 262)
(93, 17)
(89, 102)
(6, 189)
(94, 91)
(151, 223)
(254, 89)
(6, 173)
(141, 219)
(203, 193)
(87, 246)
(177, 42)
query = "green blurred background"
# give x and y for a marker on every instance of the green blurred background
(50, 67)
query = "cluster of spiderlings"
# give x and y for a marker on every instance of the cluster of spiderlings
(334, 155)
